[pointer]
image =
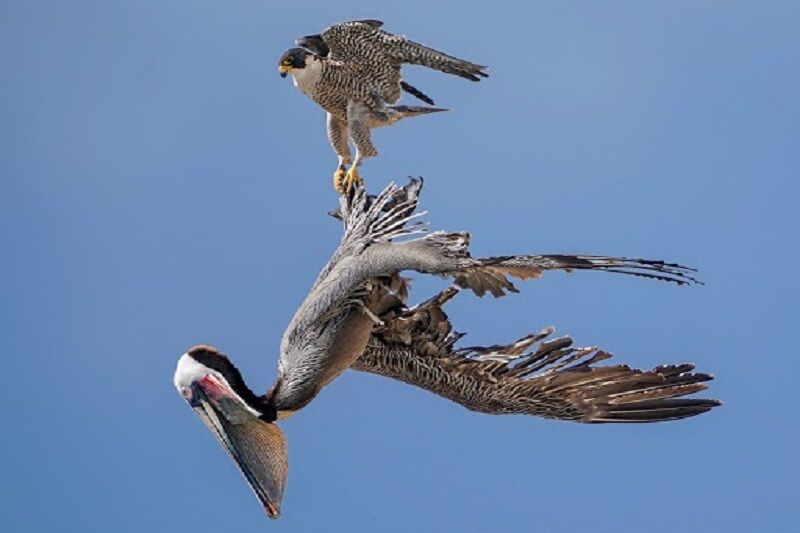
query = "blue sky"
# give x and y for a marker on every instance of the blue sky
(162, 186)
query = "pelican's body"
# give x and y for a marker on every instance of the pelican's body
(356, 315)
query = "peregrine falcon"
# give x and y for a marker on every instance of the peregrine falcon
(356, 316)
(352, 70)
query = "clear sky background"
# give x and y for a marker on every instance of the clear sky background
(162, 186)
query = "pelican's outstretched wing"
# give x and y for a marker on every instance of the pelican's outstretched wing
(491, 275)
(536, 375)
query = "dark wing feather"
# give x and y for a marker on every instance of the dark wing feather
(493, 272)
(413, 91)
(535, 375)
(314, 44)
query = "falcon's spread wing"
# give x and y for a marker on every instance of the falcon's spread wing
(380, 54)
(535, 375)
(364, 41)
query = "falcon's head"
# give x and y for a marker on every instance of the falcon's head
(294, 58)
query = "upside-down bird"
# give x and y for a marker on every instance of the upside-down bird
(356, 316)
(353, 71)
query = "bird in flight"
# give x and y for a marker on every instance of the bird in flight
(356, 316)
(353, 71)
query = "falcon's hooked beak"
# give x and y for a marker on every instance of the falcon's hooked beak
(284, 70)
(257, 447)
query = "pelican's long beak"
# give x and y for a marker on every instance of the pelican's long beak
(257, 447)
(284, 70)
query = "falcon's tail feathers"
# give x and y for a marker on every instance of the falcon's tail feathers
(399, 112)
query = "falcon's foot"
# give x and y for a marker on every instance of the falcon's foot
(351, 179)
(338, 179)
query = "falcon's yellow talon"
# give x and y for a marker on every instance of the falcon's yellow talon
(353, 178)
(338, 180)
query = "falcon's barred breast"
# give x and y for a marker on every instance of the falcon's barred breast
(353, 70)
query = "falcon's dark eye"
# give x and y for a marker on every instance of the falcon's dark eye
(287, 61)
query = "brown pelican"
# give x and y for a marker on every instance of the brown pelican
(356, 316)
